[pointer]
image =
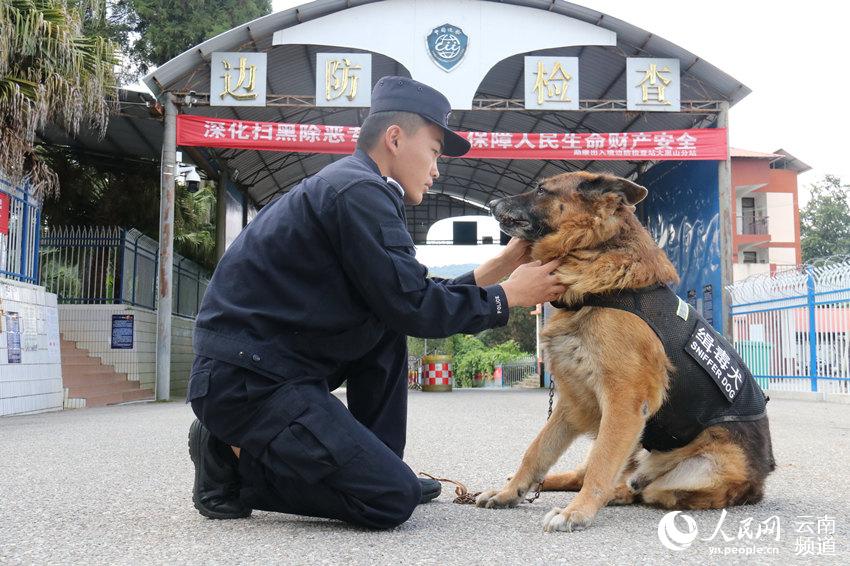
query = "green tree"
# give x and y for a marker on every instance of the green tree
(520, 328)
(825, 220)
(194, 231)
(165, 29)
(116, 23)
(52, 71)
(470, 356)
(99, 191)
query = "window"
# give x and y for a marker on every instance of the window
(749, 222)
(750, 257)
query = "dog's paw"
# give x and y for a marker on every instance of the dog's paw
(565, 520)
(497, 499)
(637, 483)
(622, 495)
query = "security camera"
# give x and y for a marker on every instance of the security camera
(193, 181)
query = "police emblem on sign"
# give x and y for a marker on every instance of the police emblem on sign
(717, 357)
(447, 46)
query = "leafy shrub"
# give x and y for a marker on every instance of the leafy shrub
(471, 356)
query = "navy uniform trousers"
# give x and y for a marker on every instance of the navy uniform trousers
(302, 450)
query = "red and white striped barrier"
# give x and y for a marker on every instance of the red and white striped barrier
(437, 373)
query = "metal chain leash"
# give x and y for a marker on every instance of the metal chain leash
(536, 495)
(466, 498)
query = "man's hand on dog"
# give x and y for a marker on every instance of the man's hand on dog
(514, 254)
(533, 283)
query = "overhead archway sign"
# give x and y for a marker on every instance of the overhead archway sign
(694, 144)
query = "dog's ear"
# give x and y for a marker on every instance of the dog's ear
(632, 193)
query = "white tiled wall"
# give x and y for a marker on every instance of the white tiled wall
(35, 384)
(90, 326)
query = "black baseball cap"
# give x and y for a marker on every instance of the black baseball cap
(401, 94)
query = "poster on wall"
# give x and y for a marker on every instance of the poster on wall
(13, 337)
(51, 324)
(122, 331)
(29, 326)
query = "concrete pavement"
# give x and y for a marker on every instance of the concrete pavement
(112, 485)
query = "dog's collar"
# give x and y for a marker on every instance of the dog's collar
(595, 299)
(564, 306)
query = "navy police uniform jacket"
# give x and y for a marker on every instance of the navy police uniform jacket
(710, 384)
(319, 275)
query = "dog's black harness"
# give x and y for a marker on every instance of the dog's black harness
(710, 384)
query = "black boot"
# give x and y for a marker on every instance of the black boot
(216, 490)
(430, 489)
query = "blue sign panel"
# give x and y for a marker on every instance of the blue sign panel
(122, 331)
(13, 337)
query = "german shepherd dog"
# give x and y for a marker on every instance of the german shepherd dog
(611, 369)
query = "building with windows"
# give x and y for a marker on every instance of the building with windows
(765, 212)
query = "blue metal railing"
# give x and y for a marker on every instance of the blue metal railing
(110, 265)
(793, 328)
(19, 245)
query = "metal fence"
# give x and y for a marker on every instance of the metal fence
(20, 215)
(110, 265)
(516, 371)
(793, 327)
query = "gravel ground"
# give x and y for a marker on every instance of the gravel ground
(113, 485)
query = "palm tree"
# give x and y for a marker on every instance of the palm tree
(51, 72)
(194, 232)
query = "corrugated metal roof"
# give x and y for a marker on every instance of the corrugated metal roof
(134, 132)
(788, 161)
(602, 74)
(780, 159)
(737, 152)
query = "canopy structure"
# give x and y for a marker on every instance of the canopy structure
(497, 104)
(487, 91)
(134, 131)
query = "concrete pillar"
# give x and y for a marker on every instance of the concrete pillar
(724, 179)
(166, 249)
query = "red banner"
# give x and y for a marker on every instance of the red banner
(5, 201)
(677, 145)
